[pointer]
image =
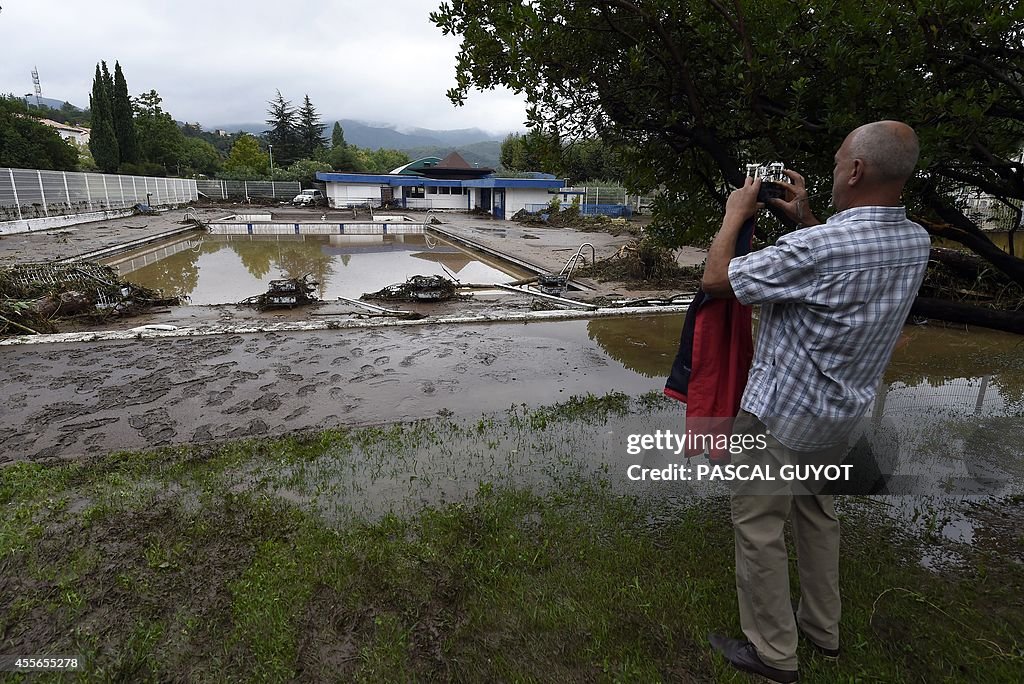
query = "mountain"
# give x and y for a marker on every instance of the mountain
(376, 136)
(30, 100)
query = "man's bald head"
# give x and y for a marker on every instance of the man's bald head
(889, 148)
(873, 164)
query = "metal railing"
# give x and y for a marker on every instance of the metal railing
(232, 189)
(32, 193)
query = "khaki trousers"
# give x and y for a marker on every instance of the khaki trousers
(762, 562)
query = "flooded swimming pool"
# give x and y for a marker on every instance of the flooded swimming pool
(220, 269)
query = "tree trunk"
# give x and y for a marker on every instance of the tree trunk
(958, 312)
(966, 264)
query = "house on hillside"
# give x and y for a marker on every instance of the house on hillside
(68, 132)
(448, 184)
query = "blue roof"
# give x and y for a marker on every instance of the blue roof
(376, 179)
(397, 180)
(547, 183)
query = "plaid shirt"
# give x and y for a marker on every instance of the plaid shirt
(833, 300)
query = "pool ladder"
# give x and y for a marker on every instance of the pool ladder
(557, 283)
(571, 263)
(193, 216)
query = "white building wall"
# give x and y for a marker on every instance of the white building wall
(343, 194)
(75, 136)
(439, 201)
(517, 198)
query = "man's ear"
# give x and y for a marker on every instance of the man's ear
(857, 175)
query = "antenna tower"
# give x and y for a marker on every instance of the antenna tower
(38, 87)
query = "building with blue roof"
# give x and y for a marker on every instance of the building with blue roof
(448, 184)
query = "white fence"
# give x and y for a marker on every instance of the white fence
(226, 189)
(29, 194)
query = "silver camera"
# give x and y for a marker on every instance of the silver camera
(772, 180)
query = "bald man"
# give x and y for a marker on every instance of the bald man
(833, 300)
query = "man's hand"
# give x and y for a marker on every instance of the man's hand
(795, 205)
(742, 202)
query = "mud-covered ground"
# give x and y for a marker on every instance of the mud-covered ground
(66, 400)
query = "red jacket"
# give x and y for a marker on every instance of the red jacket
(710, 371)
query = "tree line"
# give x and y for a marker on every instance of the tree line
(136, 135)
(295, 144)
(578, 161)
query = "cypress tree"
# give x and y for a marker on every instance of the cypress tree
(124, 119)
(108, 82)
(102, 139)
(311, 131)
(338, 136)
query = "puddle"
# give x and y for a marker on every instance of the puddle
(220, 269)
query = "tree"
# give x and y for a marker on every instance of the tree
(589, 160)
(535, 151)
(246, 160)
(26, 143)
(124, 119)
(103, 139)
(108, 82)
(689, 91)
(304, 171)
(383, 160)
(283, 132)
(201, 156)
(345, 158)
(310, 131)
(338, 135)
(161, 141)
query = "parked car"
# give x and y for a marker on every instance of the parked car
(309, 198)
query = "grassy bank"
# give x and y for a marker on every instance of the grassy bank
(221, 563)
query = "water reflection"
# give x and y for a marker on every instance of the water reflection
(975, 370)
(644, 344)
(216, 269)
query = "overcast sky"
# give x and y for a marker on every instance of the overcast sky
(218, 62)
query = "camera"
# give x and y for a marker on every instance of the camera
(772, 180)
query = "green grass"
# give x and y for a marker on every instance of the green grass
(188, 563)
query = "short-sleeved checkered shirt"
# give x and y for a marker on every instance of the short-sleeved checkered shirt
(833, 300)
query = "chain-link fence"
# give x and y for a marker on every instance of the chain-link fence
(28, 193)
(231, 189)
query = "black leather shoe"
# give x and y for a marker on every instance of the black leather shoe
(743, 656)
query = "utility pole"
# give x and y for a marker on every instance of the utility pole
(273, 193)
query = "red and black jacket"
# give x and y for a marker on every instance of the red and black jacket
(715, 352)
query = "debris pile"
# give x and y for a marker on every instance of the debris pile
(418, 288)
(570, 217)
(286, 293)
(33, 296)
(644, 261)
(964, 277)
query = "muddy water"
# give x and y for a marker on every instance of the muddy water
(932, 365)
(1000, 239)
(219, 269)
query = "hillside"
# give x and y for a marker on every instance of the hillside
(477, 146)
(30, 100)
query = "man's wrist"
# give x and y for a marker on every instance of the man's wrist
(733, 221)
